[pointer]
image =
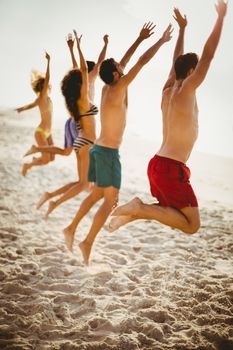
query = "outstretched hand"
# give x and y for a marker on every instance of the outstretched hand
(181, 20)
(78, 39)
(105, 39)
(221, 8)
(167, 34)
(47, 56)
(70, 41)
(146, 31)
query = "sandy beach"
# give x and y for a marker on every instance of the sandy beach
(148, 287)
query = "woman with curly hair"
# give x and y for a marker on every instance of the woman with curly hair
(43, 136)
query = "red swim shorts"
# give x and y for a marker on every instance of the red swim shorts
(169, 183)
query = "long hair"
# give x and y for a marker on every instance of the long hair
(71, 89)
(37, 81)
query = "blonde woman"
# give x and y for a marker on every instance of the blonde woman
(43, 135)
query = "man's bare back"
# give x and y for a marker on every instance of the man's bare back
(180, 123)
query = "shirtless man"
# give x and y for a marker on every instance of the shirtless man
(105, 167)
(168, 175)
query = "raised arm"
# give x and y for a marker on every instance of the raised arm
(83, 66)
(70, 43)
(197, 77)
(145, 33)
(179, 47)
(147, 56)
(95, 71)
(47, 74)
(103, 51)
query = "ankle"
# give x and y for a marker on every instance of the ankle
(87, 242)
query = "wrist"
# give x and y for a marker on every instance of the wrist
(161, 41)
(221, 17)
(140, 39)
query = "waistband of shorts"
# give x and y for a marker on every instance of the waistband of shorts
(170, 160)
(106, 149)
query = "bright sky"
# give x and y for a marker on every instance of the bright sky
(29, 27)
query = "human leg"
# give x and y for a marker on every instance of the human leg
(51, 143)
(110, 201)
(43, 160)
(185, 219)
(81, 185)
(48, 195)
(35, 162)
(32, 150)
(117, 221)
(86, 205)
(169, 183)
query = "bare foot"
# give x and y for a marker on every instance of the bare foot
(25, 169)
(45, 196)
(52, 206)
(36, 159)
(86, 250)
(32, 150)
(129, 208)
(69, 238)
(119, 221)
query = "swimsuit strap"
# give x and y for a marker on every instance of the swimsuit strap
(92, 111)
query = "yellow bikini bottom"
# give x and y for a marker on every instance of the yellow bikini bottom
(45, 133)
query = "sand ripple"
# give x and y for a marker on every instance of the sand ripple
(148, 287)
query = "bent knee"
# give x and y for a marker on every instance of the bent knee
(192, 228)
(46, 160)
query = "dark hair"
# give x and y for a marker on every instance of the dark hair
(38, 84)
(71, 87)
(184, 63)
(90, 65)
(106, 70)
